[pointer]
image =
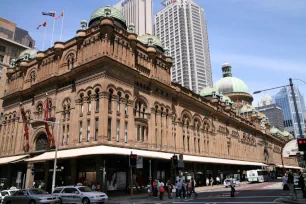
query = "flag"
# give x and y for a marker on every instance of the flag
(43, 24)
(50, 13)
(57, 17)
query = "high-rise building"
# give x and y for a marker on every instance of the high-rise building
(284, 99)
(139, 13)
(181, 27)
(13, 41)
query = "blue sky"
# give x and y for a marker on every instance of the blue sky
(265, 41)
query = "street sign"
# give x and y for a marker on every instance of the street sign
(139, 164)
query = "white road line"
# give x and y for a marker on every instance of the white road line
(224, 202)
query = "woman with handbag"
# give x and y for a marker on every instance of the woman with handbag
(161, 191)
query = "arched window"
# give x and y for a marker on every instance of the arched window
(141, 125)
(81, 103)
(70, 61)
(32, 77)
(118, 101)
(126, 104)
(39, 110)
(97, 100)
(89, 101)
(110, 98)
(140, 109)
(41, 142)
(66, 108)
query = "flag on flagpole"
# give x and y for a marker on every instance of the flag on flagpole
(43, 24)
(61, 15)
(50, 13)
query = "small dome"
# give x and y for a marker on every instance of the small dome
(247, 109)
(226, 98)
(229, 85)
(155, 40)
(100, 12)
(208, 91)
(226, 65)
(28, 54)
(274, 130)
(265, 100)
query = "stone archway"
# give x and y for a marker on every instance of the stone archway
(41, 143)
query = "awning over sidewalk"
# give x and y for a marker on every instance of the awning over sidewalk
(71, 153)
(13, 159)
(289, 167)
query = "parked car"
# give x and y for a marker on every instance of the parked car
(227, 182)
(79, 194)
(31, 196)
(5, 193)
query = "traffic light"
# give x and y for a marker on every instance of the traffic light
(174, 160)
(302, 144)
(133, 160)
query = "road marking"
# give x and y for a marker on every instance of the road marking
(224, 202)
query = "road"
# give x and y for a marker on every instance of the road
(263, 193)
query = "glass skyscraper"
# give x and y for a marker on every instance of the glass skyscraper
(284, 99)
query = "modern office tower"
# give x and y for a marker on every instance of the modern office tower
(273, 112)
(181, 26)
(139, 13)
(13, 41)
(284, 99)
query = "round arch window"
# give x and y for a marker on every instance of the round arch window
(42, 142)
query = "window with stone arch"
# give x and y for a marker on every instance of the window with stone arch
(89, 101)
(81, 103)
(70, 61)
(126, 104)
(110, 98)
(41, 142)
(32, 77)
(28, 115)
(39, 110)
(97, 99)
(66, 109)
(140, 120)
(118, 101)
(197, 134)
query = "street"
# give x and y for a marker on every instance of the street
(270, 192)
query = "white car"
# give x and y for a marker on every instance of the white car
(227, 182)
(79, 194)
(5, 193)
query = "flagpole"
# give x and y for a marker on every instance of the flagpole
(43, 45)
(53, 31)
(62, 26)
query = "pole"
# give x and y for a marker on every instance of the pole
(131, 177)
(62, 26)
(55, 157)
(283, 167)
(53, 31)
(150, 174)
(43, 44)
(296, 110)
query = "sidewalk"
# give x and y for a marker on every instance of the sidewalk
(143, 197)
(285, 200)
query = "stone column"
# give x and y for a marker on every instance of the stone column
(158, 122)
(114, 118)
(29, 176)
(151, 130)
(131, 123)
(122, 119)
(170, 135)
(179, 137)
(103, 116)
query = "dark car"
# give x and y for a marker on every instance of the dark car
(31, 196)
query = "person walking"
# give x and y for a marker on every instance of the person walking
(161, 191)
(302, 184)
(169, 190)
(98, 186)
(158, 186)
(211, 181)
(232, 185)
(189, 188)
(218, 180)
(149, 190)
(184, 188)
(155, 188)
(178, 189)
(207, 182)
(193, 187)
(93, 187)
(290, 183)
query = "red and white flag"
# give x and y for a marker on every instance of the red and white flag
(43, 24)
(61, 15)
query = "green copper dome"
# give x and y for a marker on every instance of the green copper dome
(208, 91)
(106, 11)
(228, 85)
(154, 40)
(28, 54)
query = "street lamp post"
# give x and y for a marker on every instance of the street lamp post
(56, 148)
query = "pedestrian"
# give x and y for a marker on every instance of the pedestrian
(193, 184)
(93, 187)
(172, 190)
(169, 190)
(232, 185)
(155, 188)
(98, 186)
(184, 189)
(179, 189)
(290, 183)
(285, 186)
(189, 188)
(161, 191)
(149, 190)
(211, 181)
(207, 182)
(218, 180)
(302, 184)
(158, 186)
